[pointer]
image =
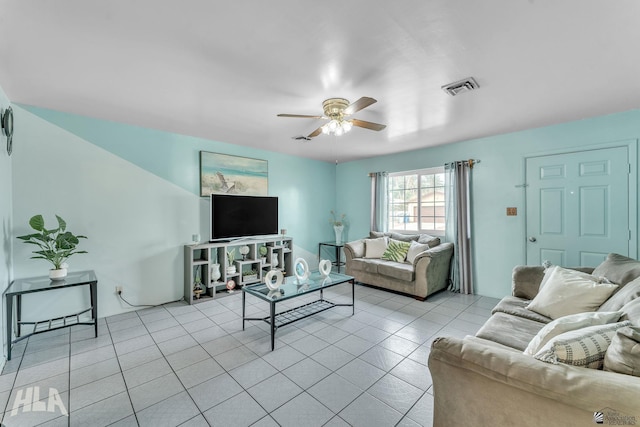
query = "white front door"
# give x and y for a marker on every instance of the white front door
(578, 207)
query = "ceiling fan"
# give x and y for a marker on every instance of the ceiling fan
(336, 110)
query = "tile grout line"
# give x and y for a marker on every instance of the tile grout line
(135, 414)
(405, 312)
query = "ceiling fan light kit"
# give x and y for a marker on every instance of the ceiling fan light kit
(336, 110)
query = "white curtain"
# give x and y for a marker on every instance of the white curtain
(379, 191)
(458, 224)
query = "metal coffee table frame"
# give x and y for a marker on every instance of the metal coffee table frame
(292, 288)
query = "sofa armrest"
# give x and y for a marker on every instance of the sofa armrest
(443, 251)
(354, 249)
(431, 269)
(501, 386)
(526, 280)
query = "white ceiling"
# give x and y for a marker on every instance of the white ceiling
(223, 70)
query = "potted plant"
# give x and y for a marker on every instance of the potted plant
(249, 275)
(56, 245)
(338, 225)
(263, 254)
(231, 256)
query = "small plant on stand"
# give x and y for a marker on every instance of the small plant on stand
(56, 245)
(337, 221)
(249, 275)
(263, 254)
(231, 256)
(198, 289)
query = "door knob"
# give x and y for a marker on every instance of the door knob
(532, 239)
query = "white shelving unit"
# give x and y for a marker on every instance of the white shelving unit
(199, 258)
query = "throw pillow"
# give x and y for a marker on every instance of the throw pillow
(628, 293)
(569, 323)
(631, 311)
(583, 347)
(432, 241)
(618, 269)
(396, 251)
(414, 250)
(374, 248)
(378, 234)
(567, 292)
(623, 355)
(405, 237)
(548, 272)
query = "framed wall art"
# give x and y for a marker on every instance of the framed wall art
(226, 174)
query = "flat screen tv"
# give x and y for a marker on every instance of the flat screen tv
(243, 216)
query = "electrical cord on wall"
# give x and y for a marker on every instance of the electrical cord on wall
(142, 305)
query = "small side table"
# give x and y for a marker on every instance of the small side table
(338, 261)
(19, 287)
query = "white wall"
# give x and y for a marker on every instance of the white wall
(136, 221)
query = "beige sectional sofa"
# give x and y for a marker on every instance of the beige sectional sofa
(419, 277)
(487, 380)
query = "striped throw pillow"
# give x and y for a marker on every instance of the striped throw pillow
(584, 347)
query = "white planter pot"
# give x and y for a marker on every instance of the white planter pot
(231, 269)
(58, 274)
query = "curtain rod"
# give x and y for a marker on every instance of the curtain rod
(471, 162)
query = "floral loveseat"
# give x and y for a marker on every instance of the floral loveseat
(416, 264)
(552, 356)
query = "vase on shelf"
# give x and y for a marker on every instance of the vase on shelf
(337, 229)
(215, 274)
(274, 260)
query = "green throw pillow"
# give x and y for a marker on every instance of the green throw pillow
(396, 251)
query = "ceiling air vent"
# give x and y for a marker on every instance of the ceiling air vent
(301, 138)
(460, 86)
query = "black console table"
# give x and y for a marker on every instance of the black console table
(20, 287)
(338, 261)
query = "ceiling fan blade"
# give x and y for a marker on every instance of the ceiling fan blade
(302, 116)
(315, 133)
(367, 125)
(360, 104)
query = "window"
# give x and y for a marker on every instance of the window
(416, 201)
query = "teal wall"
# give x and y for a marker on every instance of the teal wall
(498, 240)
(175, 158)
(135, 193)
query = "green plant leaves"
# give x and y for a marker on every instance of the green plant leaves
(37, 222)
(61, 223)
(56, 245)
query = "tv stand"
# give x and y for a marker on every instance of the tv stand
(199, 259)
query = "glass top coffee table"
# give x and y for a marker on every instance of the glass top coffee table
(293, 288)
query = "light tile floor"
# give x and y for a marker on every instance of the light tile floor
(194, 365)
